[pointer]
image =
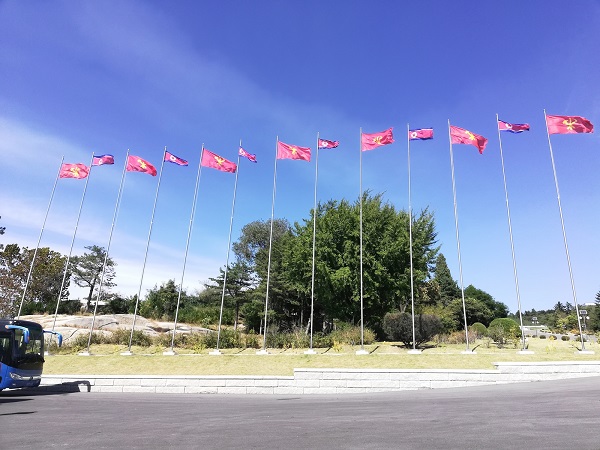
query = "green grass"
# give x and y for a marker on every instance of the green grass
(106, 359)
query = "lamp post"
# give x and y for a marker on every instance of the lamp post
(534, 321)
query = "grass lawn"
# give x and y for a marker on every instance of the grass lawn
(106, 359)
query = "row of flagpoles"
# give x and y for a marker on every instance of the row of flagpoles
(368, 141)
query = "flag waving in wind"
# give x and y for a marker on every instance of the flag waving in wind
(74, 171)
(137, 164)
(103, 159)
(421, 134)
(512, 127)
(462, 136)
(369, 141)
(568, 125)
(324, 143)
(245, 154)
(170, 157)
(287, 151)
(214, 161)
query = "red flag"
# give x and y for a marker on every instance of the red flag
(374, 140)
(462, 136)
(137, 164)
(287, 151)
(210, 159)
(512, 127)
(245, 154)
(170, 157)
(324, 143)
(74, 171)
(421, 134)
(103, 159)
(568, 125)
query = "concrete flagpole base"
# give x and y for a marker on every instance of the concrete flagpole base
(468, 352)
(83, 354)
(362, 352)
(215, 352)
(262, 352)
(128, 353)
(414, 352)
(169, 353)
(310, 352)
(525, 352)
(585, 352)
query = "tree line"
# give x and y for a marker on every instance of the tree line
(386, 275)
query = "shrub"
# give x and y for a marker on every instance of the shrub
(542, 336)
(511, 328)
(228, 339)
(564, 338)
(350, 335)
(479, 329)
(205, 315)
(398, 327)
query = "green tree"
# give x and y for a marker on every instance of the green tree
(386, 259)
(477, 311)
(448, 287)
(161, 302)
(87, 270)
(498, 309)
(239, 280)
(595, 314)
(44, 286)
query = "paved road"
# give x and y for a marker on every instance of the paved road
(549, 415)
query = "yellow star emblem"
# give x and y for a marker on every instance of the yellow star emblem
(569, 123)
(219, 160)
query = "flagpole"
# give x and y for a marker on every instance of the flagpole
(137, 301)
(112, 227)
(362, 350)
(187, 246)
(462, 289)
(562, 222)
(39, 239)
(216, 351)
(412, 289)
(62, 284)
(310, 351)
(263, 351)
(512, 247)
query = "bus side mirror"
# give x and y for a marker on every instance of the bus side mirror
(17, 327)
(58, 336)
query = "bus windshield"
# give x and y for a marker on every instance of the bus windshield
(22, 350)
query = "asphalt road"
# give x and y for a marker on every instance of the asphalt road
(543, 415)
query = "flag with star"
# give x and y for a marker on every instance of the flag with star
(369, 141)
(170, 157)
(512, 127)
(137, 164)
(568, 125)
(287, 151)
(462, 136)
(420, 134)
(74, 171)
(324, 143)
(100, 160)
(214, 161)
(245, 154)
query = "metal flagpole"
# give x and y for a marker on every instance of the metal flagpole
(362, 350)
(512, 248)
(462, 289)
(137, 301)
(310, 351)
(412, 289)
(112, 227)
(216, 351)
(562, 222)
(263, 351)
(62, 284)
(187, 246)
(39, 239)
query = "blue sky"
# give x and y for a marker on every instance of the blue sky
(104, 77)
